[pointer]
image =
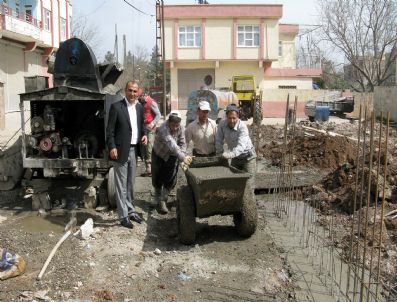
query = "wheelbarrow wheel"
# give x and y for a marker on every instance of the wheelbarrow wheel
(186, 215)
(111, 188)
(246, 220)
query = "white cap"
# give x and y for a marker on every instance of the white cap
(175, 113)
(204, 105)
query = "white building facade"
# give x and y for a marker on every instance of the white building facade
(226, 40)
(30, 31)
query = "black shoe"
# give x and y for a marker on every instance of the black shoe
(135, 217)
(126, 222)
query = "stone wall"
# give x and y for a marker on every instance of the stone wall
(385, 99)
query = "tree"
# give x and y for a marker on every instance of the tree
(81, 28)
(109, 58)
(135, 67)
(333, 76)
(365, 32)
(155, 70)
(311, 53)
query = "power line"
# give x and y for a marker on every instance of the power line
(98, 7)
(137, 9)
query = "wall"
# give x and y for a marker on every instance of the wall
(274, 100)
(219, 42)
(169, 41)
(288, 58)
(385, 99)
(300, 83)
(362, 99)
(216, 47)
(15, 64)
(227, 69)
(271, 42)
(2, 108)
(174, 77)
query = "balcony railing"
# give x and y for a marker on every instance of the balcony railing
(6, 10)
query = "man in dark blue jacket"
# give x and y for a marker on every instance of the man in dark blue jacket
(124, 134)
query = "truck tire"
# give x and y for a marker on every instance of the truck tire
(111, 188)
(247, 220)
(186, 215)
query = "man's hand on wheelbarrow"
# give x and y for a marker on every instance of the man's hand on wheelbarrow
(186, 162)
(227, 155)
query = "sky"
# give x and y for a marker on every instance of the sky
(140, 28)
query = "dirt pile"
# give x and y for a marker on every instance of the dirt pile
(322, 151)
(337, 190)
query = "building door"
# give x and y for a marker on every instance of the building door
(190, 80)
(2, 108)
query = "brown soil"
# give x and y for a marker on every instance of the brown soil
(320, 151)
(118, 264)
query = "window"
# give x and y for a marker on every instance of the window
(28, 13)
(189, 36)
(280, 48)
(63, 28)
(17, 10)
(248, 35)
(286, 87)
(47, 18)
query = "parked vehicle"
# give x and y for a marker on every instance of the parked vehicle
(250, 100)
(68, 121)
(338, 105)
(217, 99)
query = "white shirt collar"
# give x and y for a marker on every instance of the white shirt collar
(130, 104)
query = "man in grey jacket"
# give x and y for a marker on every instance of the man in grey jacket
(234, 133)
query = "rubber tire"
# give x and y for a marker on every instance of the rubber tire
(247, 220)
(186, 215)
(111, 188)
(257, 118)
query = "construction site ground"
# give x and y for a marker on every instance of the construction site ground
(149, 264)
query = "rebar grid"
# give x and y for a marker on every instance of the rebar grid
(360, 267)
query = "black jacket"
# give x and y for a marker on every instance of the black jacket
(119, 132)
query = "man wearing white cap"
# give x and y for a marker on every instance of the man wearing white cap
(202, 131)
(169, 149)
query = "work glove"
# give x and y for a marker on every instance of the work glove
(227, 155)
(184, 166)
(188, 160)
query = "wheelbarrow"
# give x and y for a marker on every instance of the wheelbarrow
(214, 188)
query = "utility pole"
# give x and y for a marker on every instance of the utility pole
(116, 45)
(161, 36)
(124, 50)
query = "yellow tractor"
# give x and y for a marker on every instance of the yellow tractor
(250, 101)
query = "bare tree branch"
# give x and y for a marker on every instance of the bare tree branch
(365, 31)
(86, 31)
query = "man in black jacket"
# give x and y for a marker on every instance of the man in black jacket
(124, 134)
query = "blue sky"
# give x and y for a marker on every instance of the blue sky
(140, 29)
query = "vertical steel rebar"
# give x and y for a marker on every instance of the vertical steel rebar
(357, 259)
(376, 199)
(354, 202)
(371, 153)
(386, 148)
